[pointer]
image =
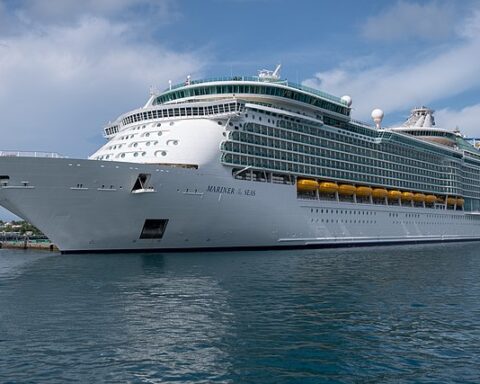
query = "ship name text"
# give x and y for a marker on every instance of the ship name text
(230, 190)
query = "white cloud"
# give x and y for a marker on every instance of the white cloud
(5, 21)
(414, 82)
(60, 86)
(406, 20)
(466, 119)
(64, 12)
(470, 28)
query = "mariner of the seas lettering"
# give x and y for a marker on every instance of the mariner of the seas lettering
(230, 190)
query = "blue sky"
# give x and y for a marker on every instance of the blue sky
(67, 67)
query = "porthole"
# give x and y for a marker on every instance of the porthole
(144, 153)
(148, 143)
(147, 134)
(135, 144)
(159, 124)
(122, 155)
(219, 123)
(164, 153)
(135, 154)
(171, 123)
(159, 133)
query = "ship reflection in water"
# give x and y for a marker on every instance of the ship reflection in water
(383, 314)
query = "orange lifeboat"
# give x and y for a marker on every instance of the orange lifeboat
(451, 201)
(327, 187)
(419, 197)
(460, 202)
(407, 196)
(307, 185)
(379, 193)
(394, 195)
(430, 199)
(440, 200)
(346, 189)
(363, 191)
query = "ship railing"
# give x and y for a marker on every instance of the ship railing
(52, 155)
(362, 123)
(258, 80)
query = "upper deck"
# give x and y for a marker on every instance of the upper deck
(253, 87)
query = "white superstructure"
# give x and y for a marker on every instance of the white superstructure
(250, 162)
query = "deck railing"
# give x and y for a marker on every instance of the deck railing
(259, 80)
(52, 155)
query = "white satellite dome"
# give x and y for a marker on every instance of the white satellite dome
(347, 100)
(377, 116)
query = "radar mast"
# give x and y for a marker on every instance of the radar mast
(267, 75)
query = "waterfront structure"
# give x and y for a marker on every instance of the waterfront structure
(251, 162)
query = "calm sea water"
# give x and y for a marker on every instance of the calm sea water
(360, 315)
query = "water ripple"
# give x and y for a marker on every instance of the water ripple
(359, 315)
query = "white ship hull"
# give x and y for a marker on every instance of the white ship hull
(87, 205)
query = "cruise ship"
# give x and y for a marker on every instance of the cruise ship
(251, 162)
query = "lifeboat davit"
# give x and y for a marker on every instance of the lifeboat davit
(379, 193)
(307, 185)
(460, 202)
(394, 195)
(430, 199)
(419, 197)
(363, 191)
(327, 187)
(407, 196)
(346, 189)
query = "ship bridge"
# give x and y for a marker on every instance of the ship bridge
(265, 88)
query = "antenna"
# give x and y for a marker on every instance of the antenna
(153, 90)
(276, 73)
(170, 85)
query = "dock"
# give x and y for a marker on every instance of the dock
(22, 244)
